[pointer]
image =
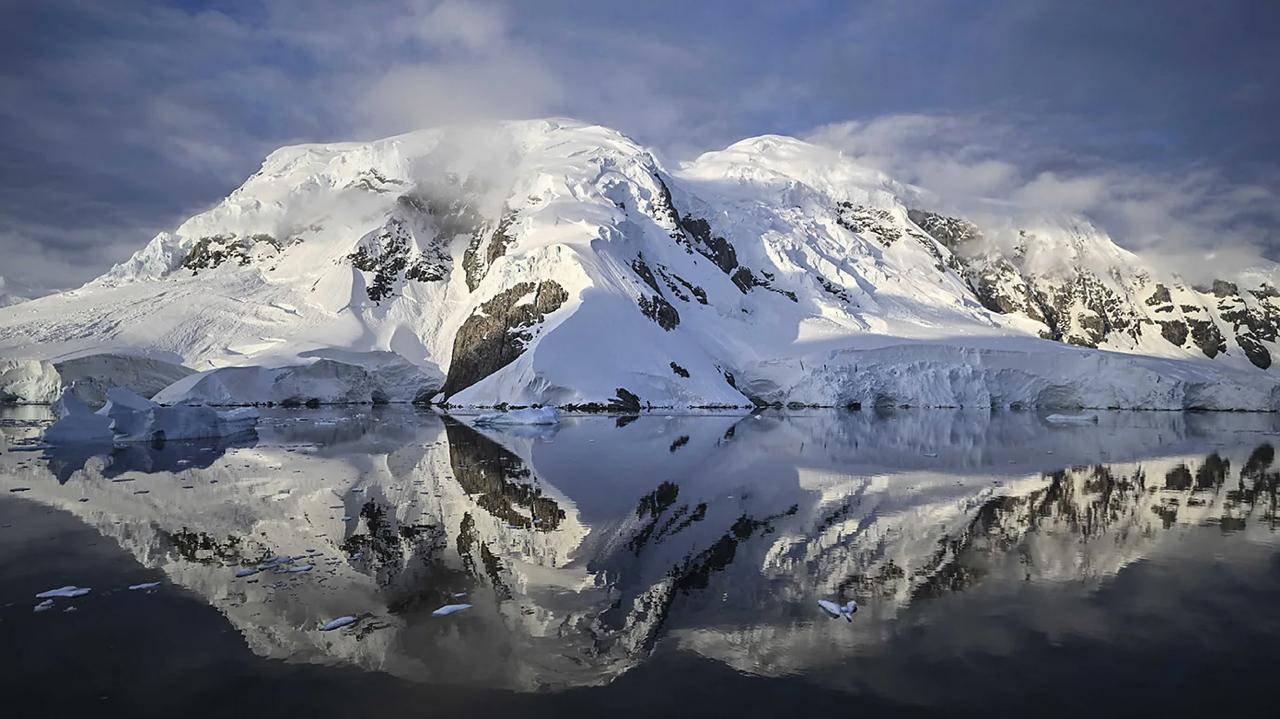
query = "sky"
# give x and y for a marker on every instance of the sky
(1154, 118)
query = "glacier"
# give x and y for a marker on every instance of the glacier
(557, 263)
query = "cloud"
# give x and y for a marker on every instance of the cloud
(429, 94)
(477, 27)
(1188, 219)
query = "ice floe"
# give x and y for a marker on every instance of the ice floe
(338, 623)
(68, 591)
(838, 611)
(448, 609)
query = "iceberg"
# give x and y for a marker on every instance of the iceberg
(129, 417)
(77, 424)
(36, 381)
(386, 378)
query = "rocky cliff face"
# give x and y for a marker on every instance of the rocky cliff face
(1111, 302)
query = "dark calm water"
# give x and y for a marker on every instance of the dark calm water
(651, 566)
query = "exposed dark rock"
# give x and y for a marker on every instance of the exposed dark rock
(490, 564)
(1206, 335)
(1160, 297)
(371, 180)
(1179, 478)
(479, 256)
(657, 501)
(389, 254)
(680, 370)
(833, 289)
(495, 336)
(1175, 331)
(868, 221)
(697, 292)
(646, 274)
(203, 548)
(660, 311)
(952, 232)
(624, 402)
(679, 443)
(694, 233)
(695, 572)
(715, 248)
(385, 543)
(1254, 350)
(210, 252)
(498, 481)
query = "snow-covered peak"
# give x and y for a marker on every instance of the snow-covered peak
(779, 161)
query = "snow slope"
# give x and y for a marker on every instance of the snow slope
(554, 262)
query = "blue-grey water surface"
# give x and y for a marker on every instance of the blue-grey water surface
(1004, 565)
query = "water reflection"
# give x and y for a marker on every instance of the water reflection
(582, 549)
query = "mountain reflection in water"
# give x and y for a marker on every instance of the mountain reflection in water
(586, 548)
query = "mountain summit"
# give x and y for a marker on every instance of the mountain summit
(556, 262)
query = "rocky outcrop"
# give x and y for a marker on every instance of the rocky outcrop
(1113, 308)
(391, 256)
(484, 250)
(498, 481)
(869, 221)
(209, 252)
(496, 335)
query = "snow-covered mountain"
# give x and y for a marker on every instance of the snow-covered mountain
(555, 262)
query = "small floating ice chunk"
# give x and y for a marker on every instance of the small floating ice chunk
(837, 611)
(68, 591)
(930, 454)
(144, 585)
(338, 623)
(448, 609)
(1072, 419)
(531, 415)
(300, 568)
(44, 606)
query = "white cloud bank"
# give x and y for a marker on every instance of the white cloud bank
(1194, 223)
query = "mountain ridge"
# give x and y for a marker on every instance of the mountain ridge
(557, 262)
